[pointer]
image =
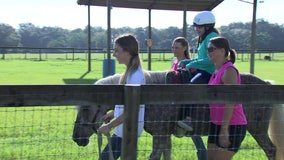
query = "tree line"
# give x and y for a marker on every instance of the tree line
(268, 36)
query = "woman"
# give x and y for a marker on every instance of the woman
(180, 49)
(126, 52)
(228, 121)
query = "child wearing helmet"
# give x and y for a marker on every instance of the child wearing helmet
(202, 67)
(204, 23)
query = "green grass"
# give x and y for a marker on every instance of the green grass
(45, 132)
(57, 70)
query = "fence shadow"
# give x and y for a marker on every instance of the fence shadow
(80, 80)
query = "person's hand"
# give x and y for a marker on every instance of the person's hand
(188, 66)
(184, 62)
(108, 117)
(224, 138)
(105, 130)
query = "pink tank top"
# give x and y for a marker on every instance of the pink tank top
(175, 65)
(217, 110)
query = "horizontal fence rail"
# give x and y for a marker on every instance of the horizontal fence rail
(79, 53)
(36, 95)
(133, 95)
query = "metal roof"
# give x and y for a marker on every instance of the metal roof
(188, 5)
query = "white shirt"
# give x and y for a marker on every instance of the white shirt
(136, 77)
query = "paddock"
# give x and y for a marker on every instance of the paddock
(37, 120)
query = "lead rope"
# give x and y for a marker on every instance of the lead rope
(100, 142)
(100, 139)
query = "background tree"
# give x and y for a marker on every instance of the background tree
(9, 36)
(77, 39)
(268, 36)
(30, 35)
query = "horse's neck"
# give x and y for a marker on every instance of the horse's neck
(248, 78)
(156, 77)
(114, 79)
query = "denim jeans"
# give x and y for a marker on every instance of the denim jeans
(200, 77)
(115, 142)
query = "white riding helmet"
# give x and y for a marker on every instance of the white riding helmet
(204, 18)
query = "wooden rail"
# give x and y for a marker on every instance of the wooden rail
(133, 95)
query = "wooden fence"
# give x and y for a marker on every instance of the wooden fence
(75, 53)
(133, 95)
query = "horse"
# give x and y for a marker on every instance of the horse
(163, 126)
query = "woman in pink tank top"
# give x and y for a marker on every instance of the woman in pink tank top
(228, 121)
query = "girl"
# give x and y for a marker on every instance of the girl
(201, 67)
(126, 52)
(180, 49)
(204, 23)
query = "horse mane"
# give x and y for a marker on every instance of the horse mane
(152, 77)
(113, 79)
(156, 77)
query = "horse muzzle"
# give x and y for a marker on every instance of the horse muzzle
(81, 141)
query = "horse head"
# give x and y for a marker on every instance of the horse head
(88, 120)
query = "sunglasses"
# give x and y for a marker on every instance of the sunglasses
(211, 49)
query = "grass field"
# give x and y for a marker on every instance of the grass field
(45, 132)
(55, 69)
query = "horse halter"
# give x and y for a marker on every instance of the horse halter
(91, 124)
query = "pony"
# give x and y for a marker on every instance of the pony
(262, 118)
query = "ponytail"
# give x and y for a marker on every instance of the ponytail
(232, 55)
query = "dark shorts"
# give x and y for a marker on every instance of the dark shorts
(237, 134)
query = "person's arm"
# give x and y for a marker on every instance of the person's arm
(117, 121)
(135, 78)
(184, 62)
(105, 129)
(108, 117)
(230, 76)
(198, 63)
(203, 59)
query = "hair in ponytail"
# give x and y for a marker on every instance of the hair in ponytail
(222, 42)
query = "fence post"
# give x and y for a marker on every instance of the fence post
(3, 53)
(73, 54)
(40, 54)
(130, 121)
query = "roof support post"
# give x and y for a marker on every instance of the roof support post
(89, 38)
(108, 37)
(253, 32)
(184, 29)
(149, 42)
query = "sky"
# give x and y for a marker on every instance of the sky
(68, 14)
